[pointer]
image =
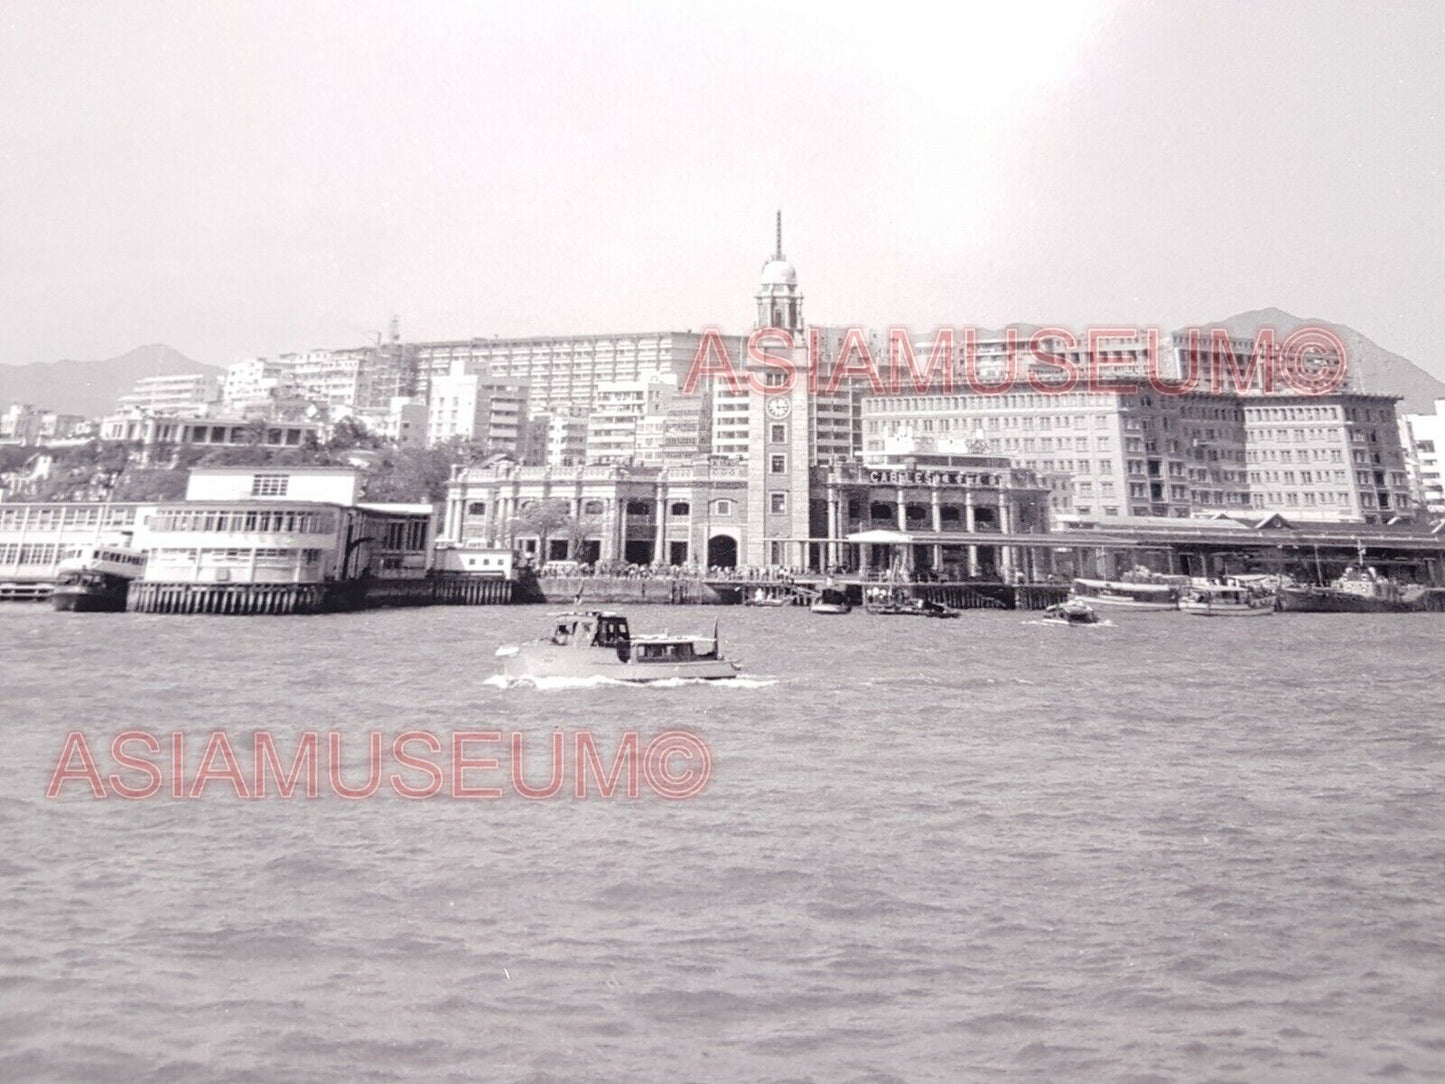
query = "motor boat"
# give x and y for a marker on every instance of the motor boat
(599, 643)
(1072, 612)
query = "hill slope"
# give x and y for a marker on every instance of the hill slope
(1372, 368)
(92, 387)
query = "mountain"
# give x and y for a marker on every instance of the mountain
(1371, 367)
(92, 387)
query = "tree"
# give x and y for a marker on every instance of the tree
(351, 432)
(544, 519)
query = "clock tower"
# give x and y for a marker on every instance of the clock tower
(779, 416)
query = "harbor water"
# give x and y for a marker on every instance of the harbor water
(1168, 850)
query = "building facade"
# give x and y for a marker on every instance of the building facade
(1423, 437)
(1136, 452)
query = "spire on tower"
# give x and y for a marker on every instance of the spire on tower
(778, 248)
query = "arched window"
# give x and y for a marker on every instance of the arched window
(477, 508)
(592, 508)
(680, 508)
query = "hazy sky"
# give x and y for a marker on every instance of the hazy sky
(246, 178)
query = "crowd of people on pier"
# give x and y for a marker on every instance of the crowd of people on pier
(618, 569)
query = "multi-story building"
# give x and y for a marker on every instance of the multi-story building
(256, 383)
(1423, 437)
(403, 421)
(153, 431)
(621, 410)
(1136, 452)
(485, 410)
(1334, 457)
(564, 372)
(173, 396)
(948, 511)
(331, 378)
(22, 423)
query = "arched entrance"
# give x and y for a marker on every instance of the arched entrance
(722, 551)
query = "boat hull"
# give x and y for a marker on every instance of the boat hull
(1124, 603)
(1204, 609)
(831, 608)
(87, 601)
(532, 661)
(1325, 600)
(886, 610)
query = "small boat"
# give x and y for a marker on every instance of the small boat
(832, 600)
(1225, 600)
(1071, 612)
(897, 603)
(762, 598)
(1129, 594)
(96, 580)
(598, 643)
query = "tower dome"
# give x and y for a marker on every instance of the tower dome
(779, 272)
(780, 304)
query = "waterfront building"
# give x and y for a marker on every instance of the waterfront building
(1423, 437)
(295, 525)
(35, 537)
(638, 515)
(953, 511)
(1136, 452)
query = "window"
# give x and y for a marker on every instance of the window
(591, 508)
(269, 485)
(777, 464)
(680, 508)
(778, 503)
(722, 507)
(778, 434)
(477, 508)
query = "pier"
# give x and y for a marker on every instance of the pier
(440, 589)
(800, 590)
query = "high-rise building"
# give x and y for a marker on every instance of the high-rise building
(1136, 452)
(482, 409)
(1423, 436)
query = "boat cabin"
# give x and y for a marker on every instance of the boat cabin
(596, 628)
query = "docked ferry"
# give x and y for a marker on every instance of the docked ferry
(1361, 590)
(598, 643)
(97, 579)
(1225, 600)
(1142, 595)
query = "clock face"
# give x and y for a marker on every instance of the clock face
(779, 406)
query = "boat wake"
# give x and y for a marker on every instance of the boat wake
(554, 684)
(1103, 623)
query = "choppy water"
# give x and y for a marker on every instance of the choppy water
(1173, 850)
